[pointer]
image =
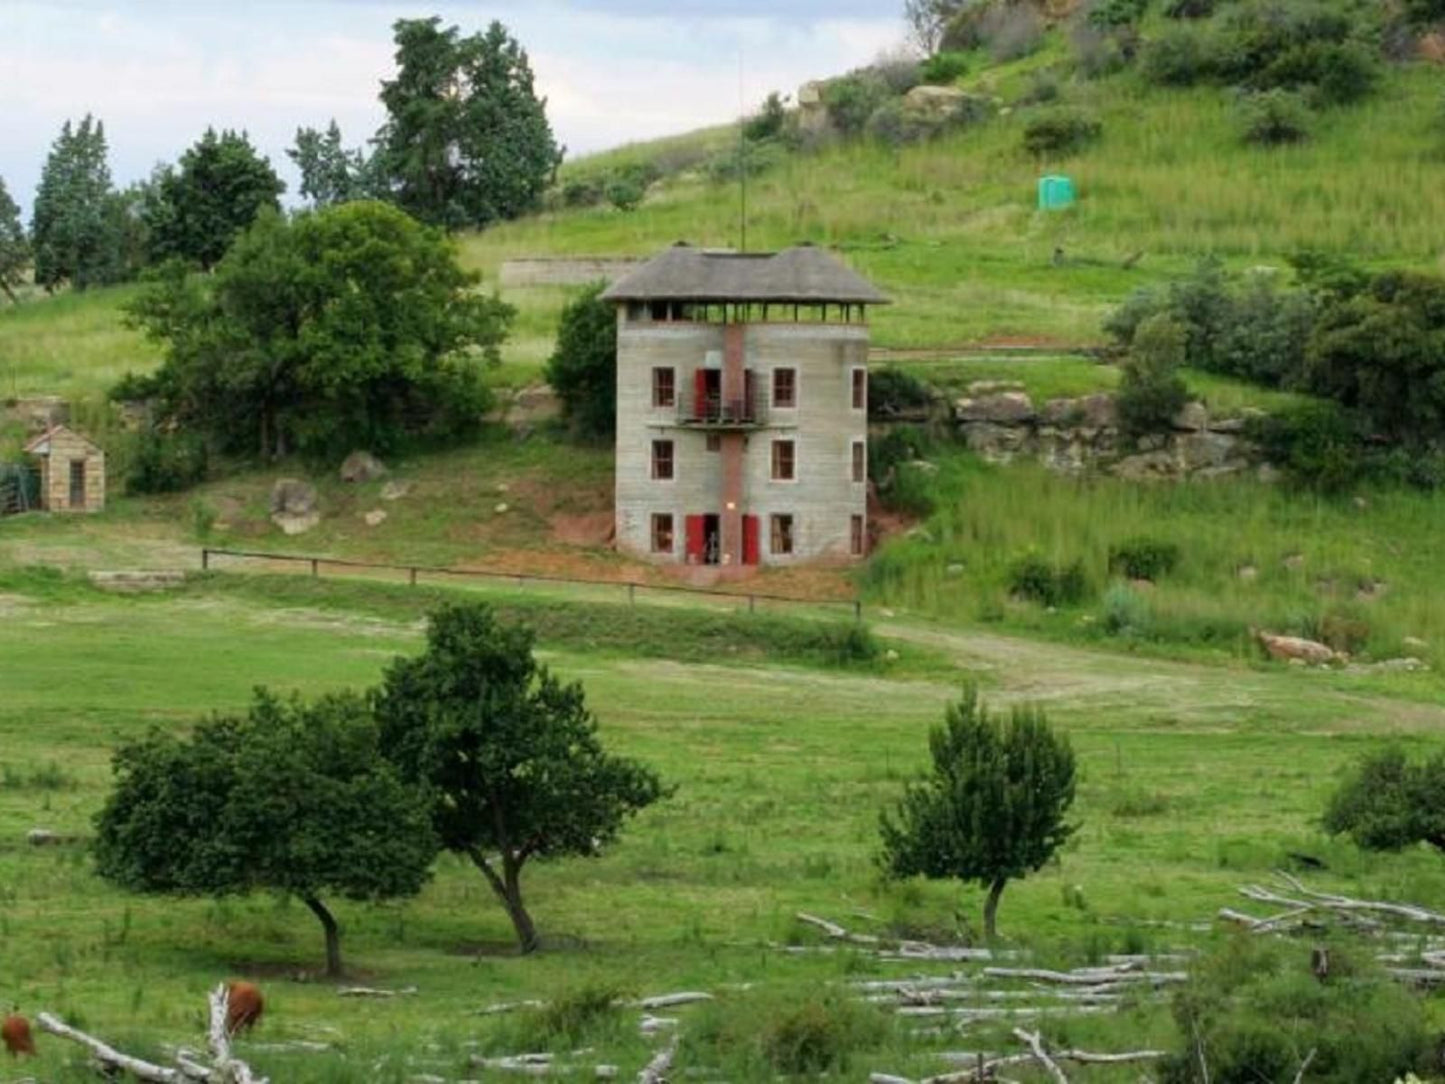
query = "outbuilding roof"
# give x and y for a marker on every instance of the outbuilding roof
(41, 444)
(803, 274)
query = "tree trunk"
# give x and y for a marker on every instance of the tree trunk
(521, 921)
(990, 909)
(508, 888)
(333, 935)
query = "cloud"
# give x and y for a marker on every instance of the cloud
(158, 72)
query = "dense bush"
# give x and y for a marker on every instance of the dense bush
(852, 99)
(757, 158)
(1273, 118)
(1143, 558)
(1253, 1011)
(945, 68)
(1190, 9)
(1034, 579)
(1107, 14)
(583, 192)
(1151, 391)
(1266, 334)
(166, 462)
(1315, 49)
(892, 391)
(902, 486)
(583, 367)
(1061, 132)
(768, 121)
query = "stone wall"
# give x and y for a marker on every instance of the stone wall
(565, 270)
(1001, 423)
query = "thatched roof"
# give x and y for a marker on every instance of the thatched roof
(803, 275)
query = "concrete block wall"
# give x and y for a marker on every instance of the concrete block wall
(822, 499)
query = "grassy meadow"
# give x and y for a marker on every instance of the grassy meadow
(1193, 780)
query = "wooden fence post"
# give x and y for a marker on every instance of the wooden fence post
(205, 559)
(413, 575)
(315, 567)
(857, 609)
(632, 594)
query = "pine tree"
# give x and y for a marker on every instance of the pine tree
(75, 218)
(330, 173)
(216, 191)
(466, 140)
(14, 247)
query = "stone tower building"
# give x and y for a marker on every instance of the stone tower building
(742, 407)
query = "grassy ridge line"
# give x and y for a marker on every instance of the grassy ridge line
(673, 629)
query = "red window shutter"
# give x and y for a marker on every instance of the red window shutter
(751, 549)
(696, 540)
(699, 392)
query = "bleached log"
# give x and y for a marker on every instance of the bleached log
(371, 991)
(229, 1069)
(1411, 911)
(667, 1001)
(509, 1006)
(885, 1078)
(1423, 978)
(1036, 1044)
(651, 1025)
(109, 1056)
(838, 933)
(655, 1071)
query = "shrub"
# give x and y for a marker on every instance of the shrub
(726, 167)
(1180, 57)
(768, 121)
(582, 192)
(1334, 73)
(1011, 31)
(1143, 558)
(1317, 444)
(1043, 89)
(1252, 1010)
(1151, 392)
(1061, 132)
(1034, 579)
(1203, 304)
(851, 100)
(167, 463)
(1125, 611)
(1142, 303)
(897, 71)
(1108, 14)
(569, 1016)
(625, 192)
(1265, 338)
(1190, 9)
(1098, 53)
(945, 68)
(892, 391)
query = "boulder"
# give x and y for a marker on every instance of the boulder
(1203, 450)
(1192, 417)
(1291, 648)
(1061, 412)
(1001, 408)
(1147, 467)
(293, 497)
(998, 443)
(37, 413)
(295, 524)
(395, 491)
(375, 518)
(362, 466)
(1414, 643)
(946, 103)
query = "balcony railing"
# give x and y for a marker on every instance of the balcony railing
(714, 411)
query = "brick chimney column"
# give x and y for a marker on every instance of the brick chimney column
(734, 384)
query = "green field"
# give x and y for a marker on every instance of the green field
(1194, 779)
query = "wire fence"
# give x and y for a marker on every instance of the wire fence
(415, 574)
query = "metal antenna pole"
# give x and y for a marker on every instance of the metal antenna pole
(742, 160)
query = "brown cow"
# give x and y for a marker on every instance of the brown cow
(15, 1032)
(244, 1005)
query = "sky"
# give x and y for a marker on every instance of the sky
(158, 72)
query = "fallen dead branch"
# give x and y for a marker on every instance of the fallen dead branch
(1036, 1044)
(1097, 978)
(655, 1071)
(542, 1065)
(371, 991)
(1328, 901)
(900, 949)
(978, 1066)
(229, 1069)
(109, 1057)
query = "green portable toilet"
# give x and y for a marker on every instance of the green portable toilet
(1055, 192)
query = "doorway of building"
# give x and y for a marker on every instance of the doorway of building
(704, 540)
(77, 483)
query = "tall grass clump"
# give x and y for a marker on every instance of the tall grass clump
(790, 1033)
(1244, 554)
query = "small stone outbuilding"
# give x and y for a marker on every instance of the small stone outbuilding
(72, 471)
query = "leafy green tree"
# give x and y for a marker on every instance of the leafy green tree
(74, 219)
(1388, 803)
(1382, 352)
(216, 192)
(1151, 391)
(583, 367)
(330, 173)
(292, 798)
(14, 246)
(511, 756)
(348, 327)
(466, 141)
(993, 807)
